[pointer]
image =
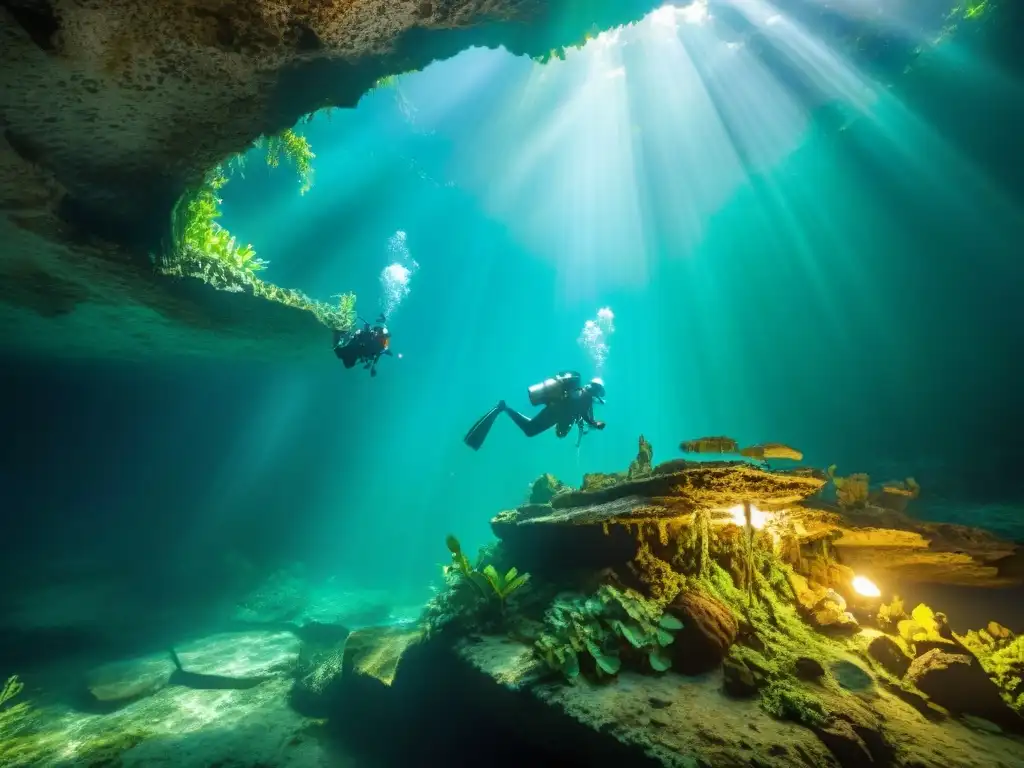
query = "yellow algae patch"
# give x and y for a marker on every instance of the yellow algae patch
(377, 651)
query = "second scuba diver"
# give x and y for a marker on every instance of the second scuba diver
(364, 346)
(566, 404)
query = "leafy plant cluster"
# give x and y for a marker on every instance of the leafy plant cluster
(1001, 654)
(606, 628)
(924, 625)
(206, 250)
(293, 147)
(11, 715)
(488, 580)
(201, 233)
(198, 211)
(471, 591)
(891, 614)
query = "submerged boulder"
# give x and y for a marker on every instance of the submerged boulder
(824, 608)
(377, 651)
(124, 681)
(241, 655)
(709, 630)
(889, 655)
(958, 683)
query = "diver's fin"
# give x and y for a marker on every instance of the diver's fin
(478, 432)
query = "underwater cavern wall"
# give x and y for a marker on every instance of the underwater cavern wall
(112, 110)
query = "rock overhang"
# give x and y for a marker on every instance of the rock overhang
(111, 110)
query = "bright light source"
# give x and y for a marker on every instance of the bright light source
(865, 586)
(669, 16)
(758, 519)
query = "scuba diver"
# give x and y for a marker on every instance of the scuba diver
(566, 404)
(364, 346)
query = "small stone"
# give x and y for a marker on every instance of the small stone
(958, 683)
(124, 681)
(807, 668)
(737, 680)
(889, 655)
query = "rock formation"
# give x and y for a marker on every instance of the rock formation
(111, 109)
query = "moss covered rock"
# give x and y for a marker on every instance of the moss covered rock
(958, 683)
(889, 655)
(709, 630)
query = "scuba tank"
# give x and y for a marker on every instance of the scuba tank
(555, 388)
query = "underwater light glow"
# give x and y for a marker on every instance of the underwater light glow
(758, 519)
(866, 587)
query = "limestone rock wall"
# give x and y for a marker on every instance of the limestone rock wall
(110, 108)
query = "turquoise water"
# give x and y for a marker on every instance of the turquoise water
(743, 235)
(830, 272)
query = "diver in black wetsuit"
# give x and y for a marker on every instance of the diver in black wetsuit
(364, 346)
(566, 404)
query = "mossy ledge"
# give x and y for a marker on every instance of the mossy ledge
(114, 110)
(730, 634)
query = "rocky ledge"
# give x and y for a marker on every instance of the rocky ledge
(596, 525)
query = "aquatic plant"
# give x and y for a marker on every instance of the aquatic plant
(890, 614)
(1001, 654)
(202, 233)
(201, 248)
(608, 627)
(295, 149)
(470, 590)
(924, 625)
(851, 491)
(11, 715)
(504, 586)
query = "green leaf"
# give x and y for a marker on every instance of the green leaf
(668, 621)
(516, 583)
(493, 578)
(660, 661)
(664, 637)
(512, 572)
(633, 635)
(570, 663)
(607, 662)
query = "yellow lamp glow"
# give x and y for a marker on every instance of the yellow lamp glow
(866, 587)
(758, 519)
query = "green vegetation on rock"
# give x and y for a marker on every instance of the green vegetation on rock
(1001, 654)
(790, 702)
(470, 592)
(607, 628)
(204, 249)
